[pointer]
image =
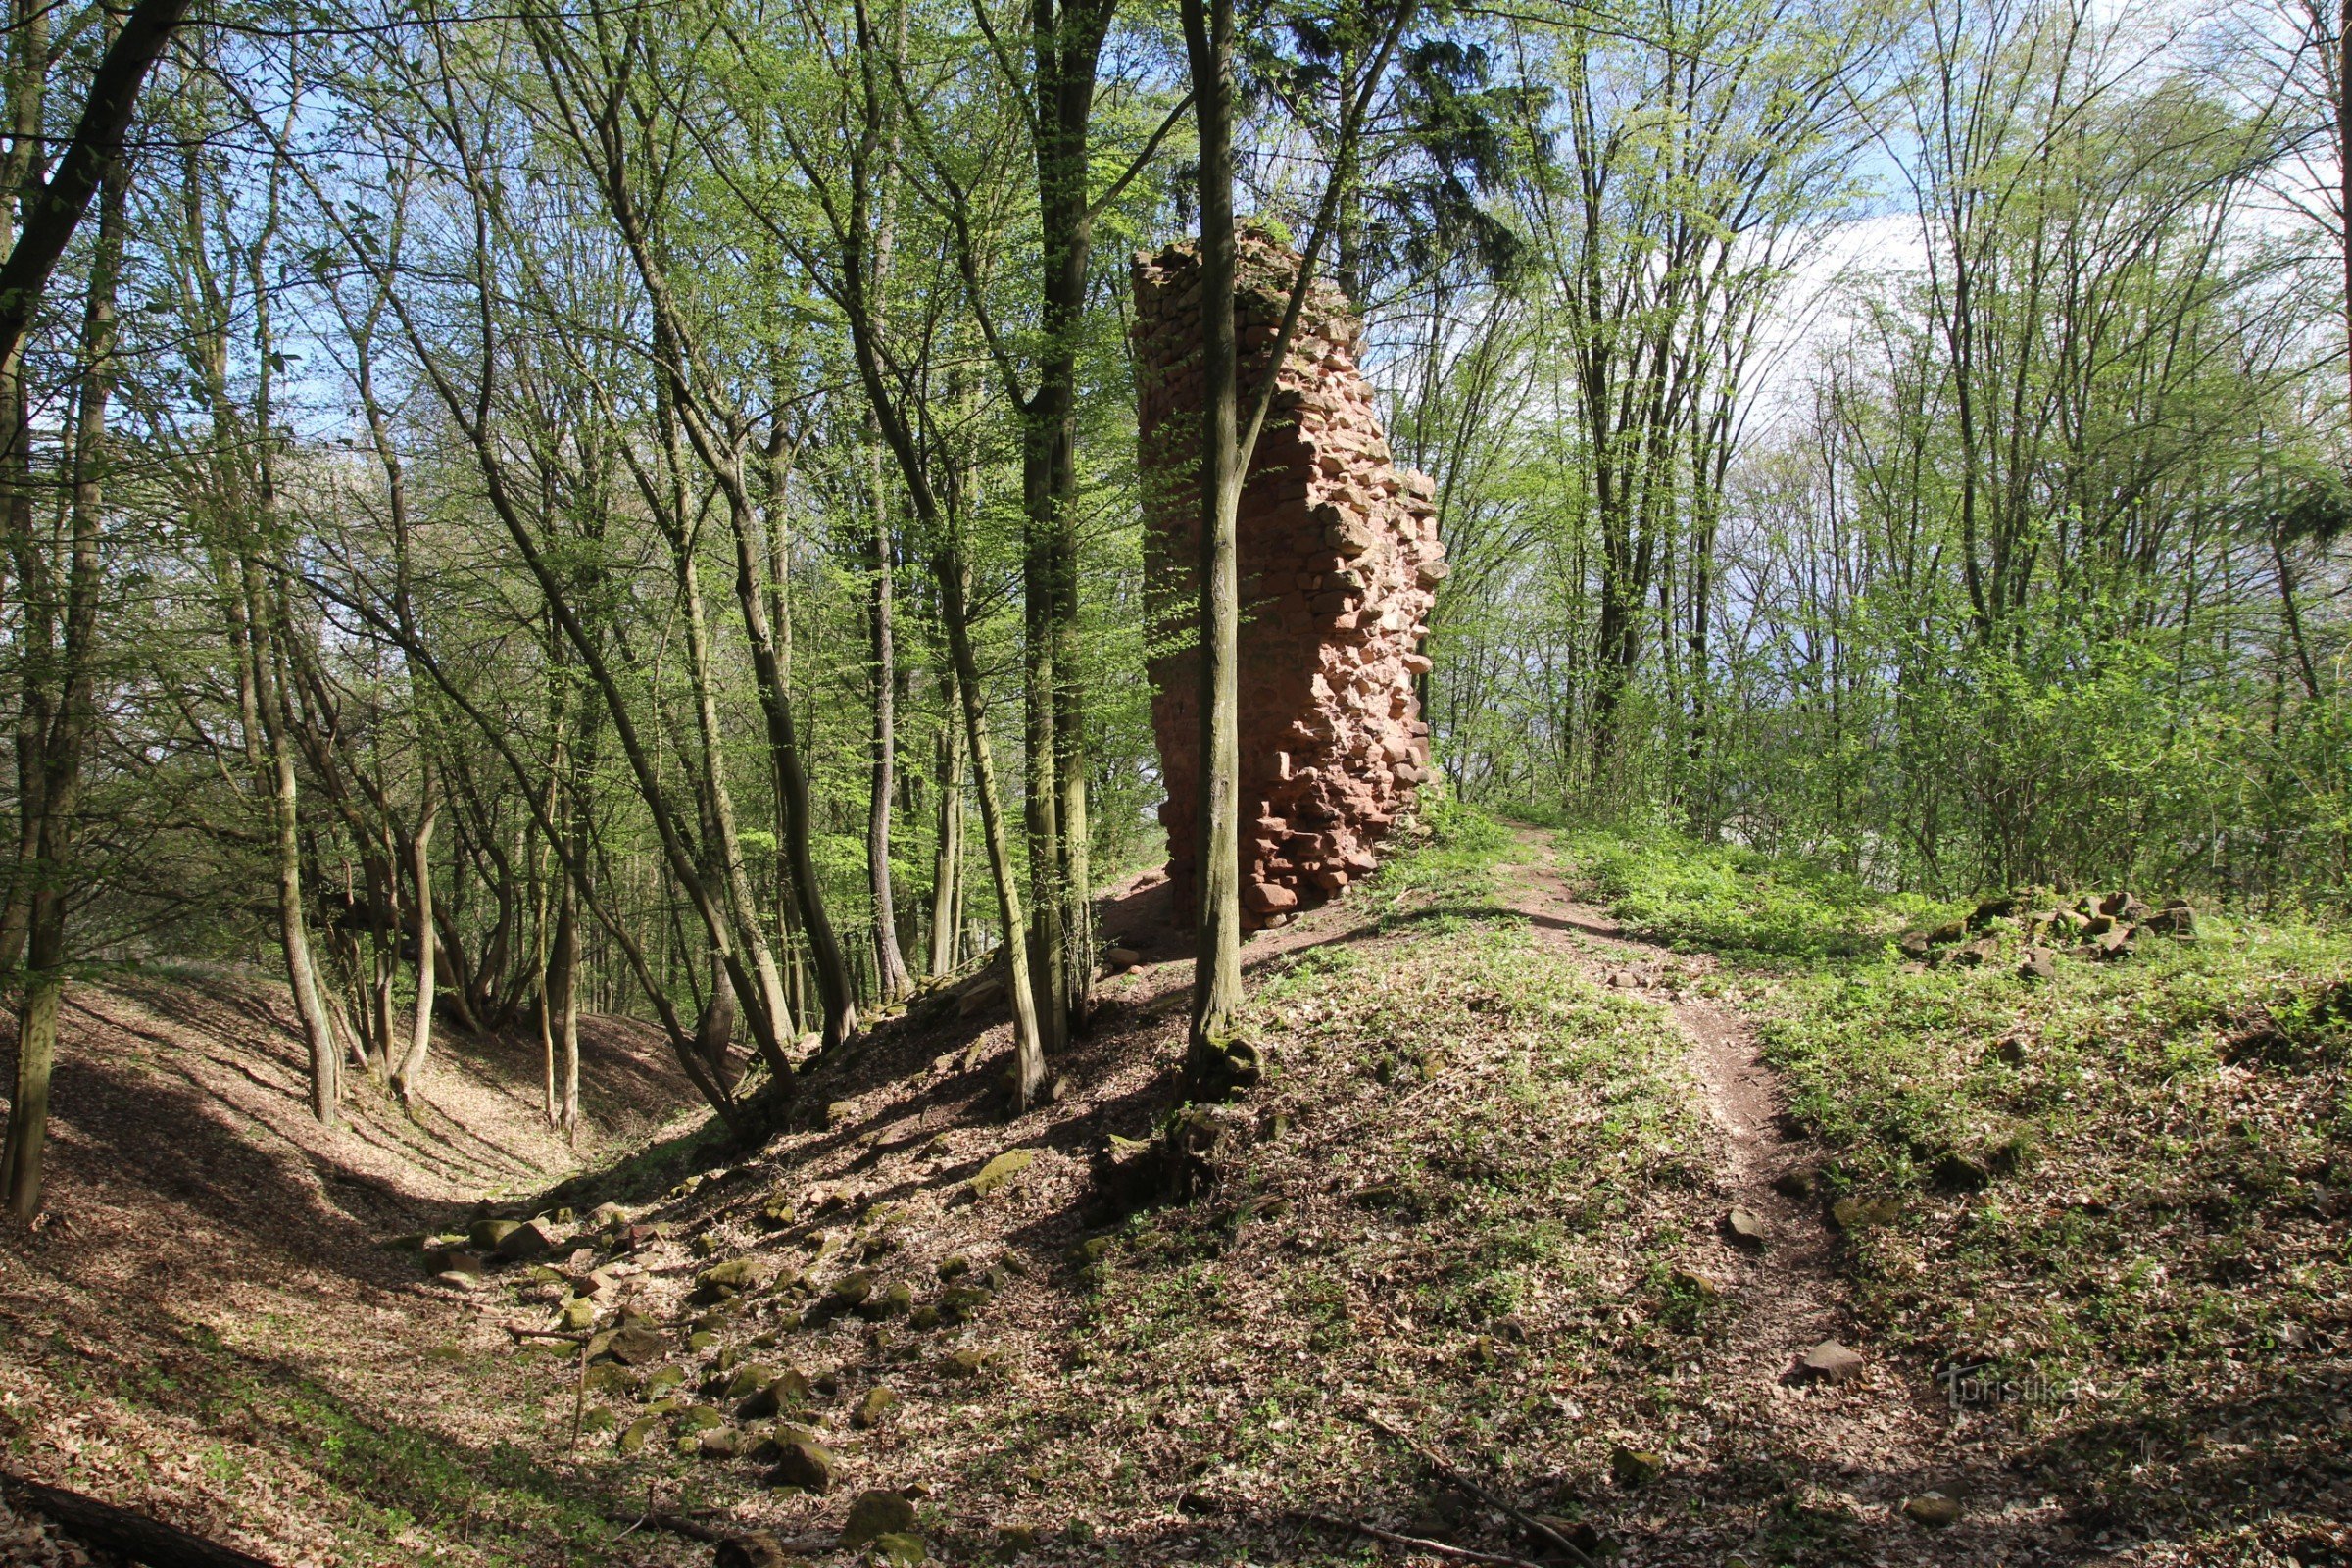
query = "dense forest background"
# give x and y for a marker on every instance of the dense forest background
(638, 502)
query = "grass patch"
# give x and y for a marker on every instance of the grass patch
(2122, 1190)
(1728, 899)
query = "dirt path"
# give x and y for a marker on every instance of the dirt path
(1871, 1438)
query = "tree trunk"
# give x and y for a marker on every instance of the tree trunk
(947, 867)
(1217, 965)
(1047, 940)
(563, 996)
(421, 870)
(1029, 1056)
(890, 963)
(1067, 51)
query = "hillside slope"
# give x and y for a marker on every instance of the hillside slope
(1572, 1153)
(207, 1325)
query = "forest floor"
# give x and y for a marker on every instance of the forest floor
(1472, 1247)
(207, 1326)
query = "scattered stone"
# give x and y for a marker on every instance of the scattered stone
(1801, 1183)
(1990, 911)
(891, 1302)
(968, 1361)
(2175, 919)
(577, 1316)
(1856, 1212)
(1961, 1173)
(699, 1418)
(1932, 1509)
(487, 1233)
(1693, 1282)
(741, 1274)
(2037, 963)
(759, 1549)
(839, 1111)
(980, 995)
(2010, 1049)
(1000, 1171)
(460, 1278)
(636, 1434)
(802, 1462)
(876, 1514)
(1829, 1362)
(1122, 957)
(786, 1391)
(957, 1304)
(1635, 1467)
(635, 1346)
(851, 1289)
(1014, 1539)
(1981, 952)
(611, 1377)
(749, 1379)
(721, 1443)
(1745, 1228)
(900, 1549)
(875, 1408)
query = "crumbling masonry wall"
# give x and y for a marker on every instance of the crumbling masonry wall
(1339, 558)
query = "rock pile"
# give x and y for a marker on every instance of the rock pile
(2098, 927)
(1339, 561)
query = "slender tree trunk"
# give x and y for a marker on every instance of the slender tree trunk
(1047, 940)
(1217, 964)
(2343, 160)
(1029, 1056)
(769, 642)
(948, 862)
(771, 1016)
(890, 963)
(20, 173)
(1067, 52)
(405, 1077)
(565, 997)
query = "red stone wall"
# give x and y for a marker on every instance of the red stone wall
(1338, 560)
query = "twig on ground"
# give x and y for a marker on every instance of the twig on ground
(1396, 1539)
(1453, 1473)
(693, 1529)
(132, 1534)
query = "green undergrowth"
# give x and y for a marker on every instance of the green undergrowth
(1445, 875)
(2119, 1192)
(1727, 900)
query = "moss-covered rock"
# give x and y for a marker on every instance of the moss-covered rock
(998, 1172)
(876, 1514)
(802, 1462)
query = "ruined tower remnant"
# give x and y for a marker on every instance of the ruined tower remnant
(1339, 555)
